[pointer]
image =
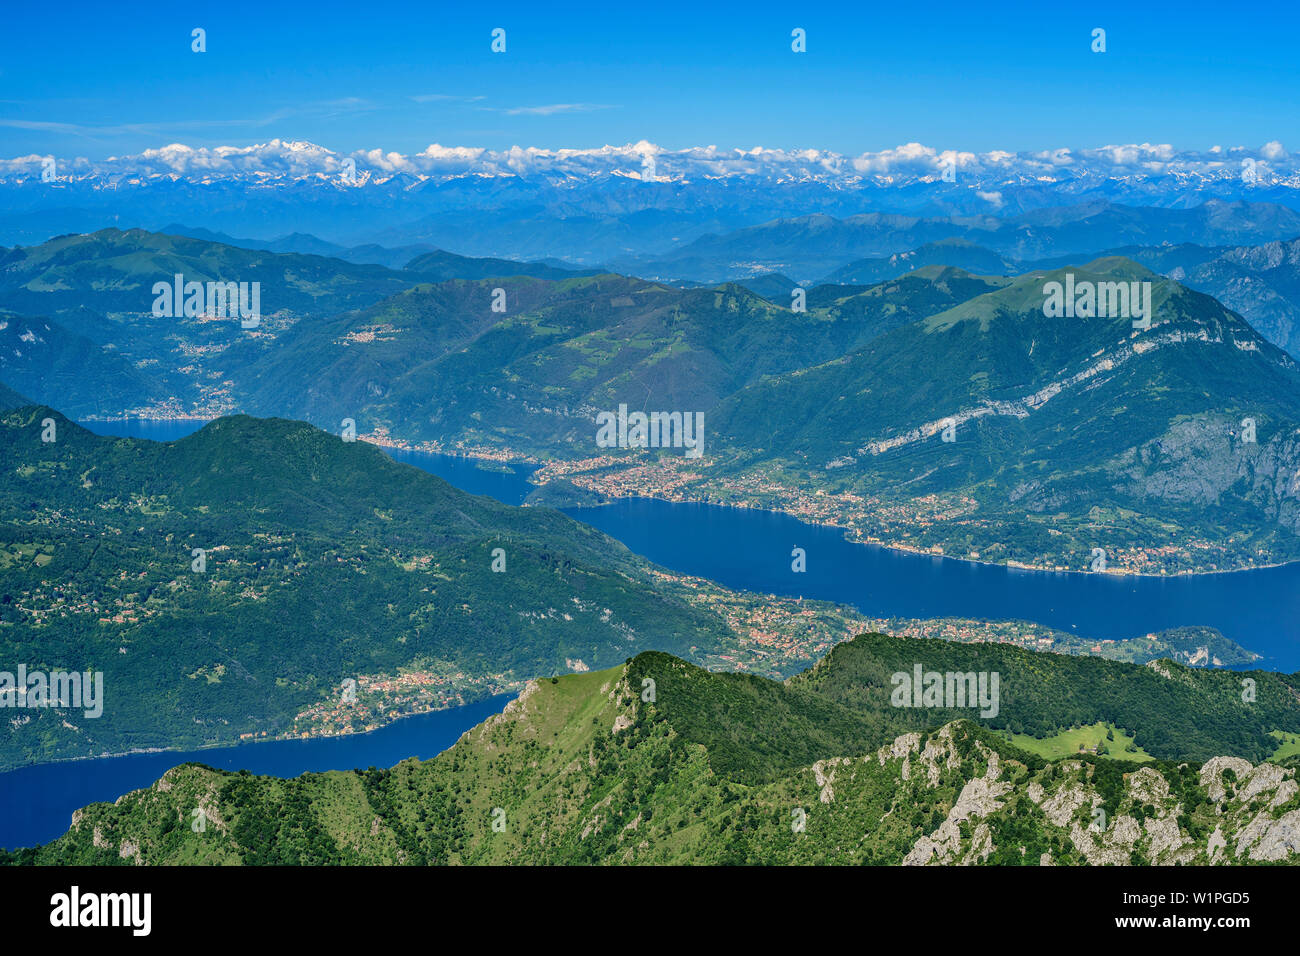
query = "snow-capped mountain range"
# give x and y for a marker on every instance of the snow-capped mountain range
(909, 164)
(596, 205)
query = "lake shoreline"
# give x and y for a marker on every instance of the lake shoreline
(514, 458)
(740, 546)
(39, 799)
(524, 460)
(237, 744)
(923, 553)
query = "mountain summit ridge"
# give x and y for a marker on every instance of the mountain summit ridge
(712, 769)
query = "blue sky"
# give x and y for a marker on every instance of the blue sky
(107, 79)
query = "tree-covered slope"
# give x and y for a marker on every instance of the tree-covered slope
(1173, 712)
(59, 367)
(437, 363)
(1260, 282)
(113, 272)
(321, 560)
(1070, 434)
(88, 300)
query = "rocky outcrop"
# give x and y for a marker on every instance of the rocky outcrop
(1256, 809)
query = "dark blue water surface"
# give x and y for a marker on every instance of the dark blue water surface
(742, 548)
(477, 477)
(36, 803)
(749, 549)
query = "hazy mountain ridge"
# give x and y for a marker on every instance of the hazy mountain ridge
(439, 365)
(436, 264)
(1261, 282)
(103, 353)
(42, 357)
(809, 247)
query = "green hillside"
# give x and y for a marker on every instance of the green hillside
(701, 768)
(1068, 434)
(1173, 712)
(42, 358)
(323, 560)
(100, 352)
(435, 363)
(112, 273)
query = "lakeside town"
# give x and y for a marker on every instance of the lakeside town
(942, 525)
(779, 636)
(372, 701)
(929, 524)
(773, 636)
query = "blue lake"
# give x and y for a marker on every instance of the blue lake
(36, 803)
(741, 548)
(1260, 609)
(749, 549)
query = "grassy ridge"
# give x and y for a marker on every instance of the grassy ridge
(708, 769)
(1173, 712)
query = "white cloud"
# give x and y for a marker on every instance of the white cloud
(445, 98)
(553, 108)
(1273, 150)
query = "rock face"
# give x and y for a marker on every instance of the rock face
(824, 774)
(1199, 461)
(1256, 809)
(1260, 282)
(979, 798)
(1212, 773)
